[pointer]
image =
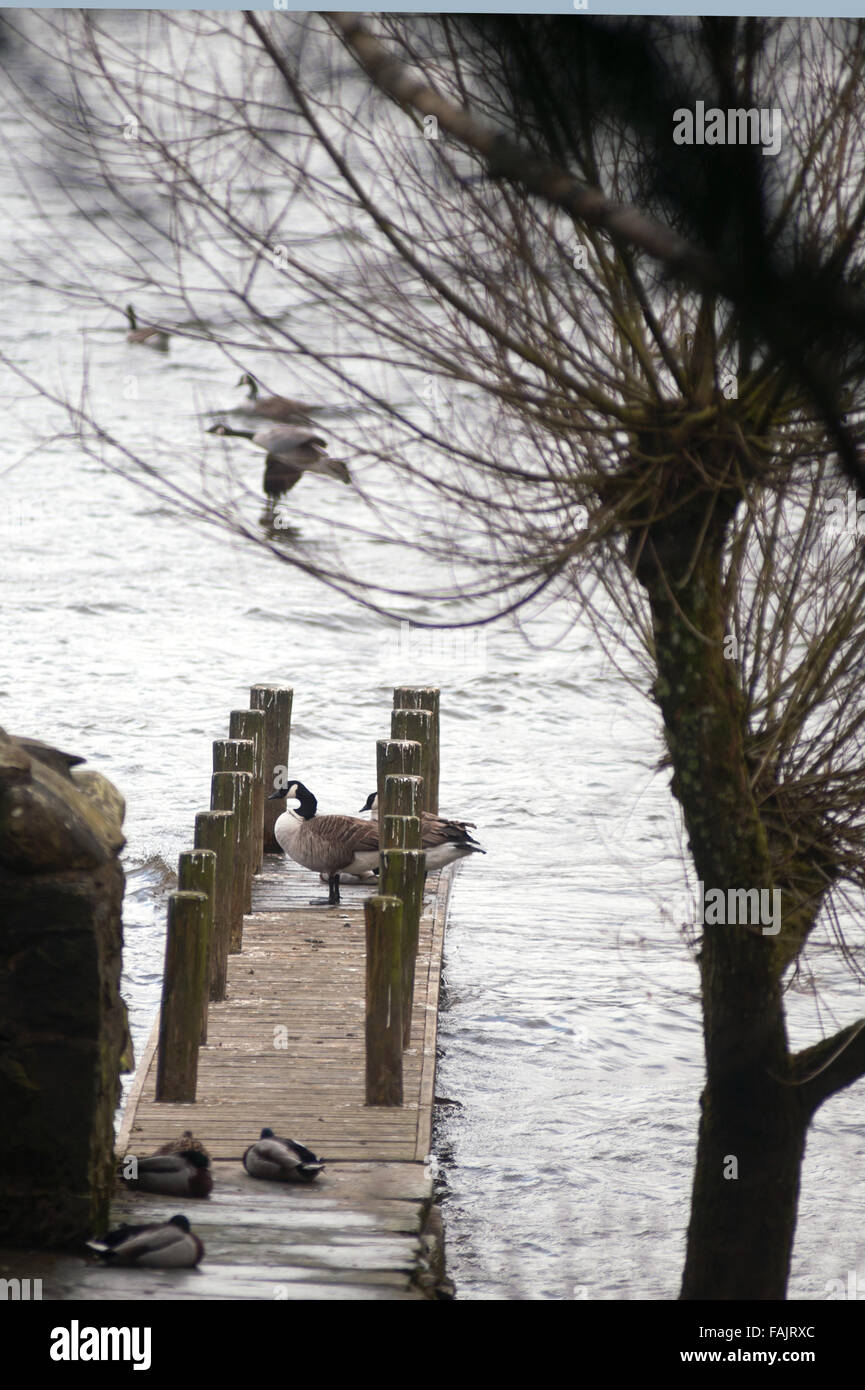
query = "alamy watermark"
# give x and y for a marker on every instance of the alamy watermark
(740, 907)
(20, 1290)
(741, 126)
(415, 653)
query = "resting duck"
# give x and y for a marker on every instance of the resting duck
(281, 1160)
(171, 1245)
(181, 1173)
(182, 1145)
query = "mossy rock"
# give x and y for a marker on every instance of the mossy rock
(48, 821)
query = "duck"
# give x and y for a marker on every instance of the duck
(330, 845)
(148, 337)
(169, 1245)
(291, 450)
(181, 1145)
(442, 840)
(281, 1160)
(182, 1173)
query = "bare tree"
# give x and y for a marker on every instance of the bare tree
(595, 363)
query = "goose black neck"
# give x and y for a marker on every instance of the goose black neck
(308, 803)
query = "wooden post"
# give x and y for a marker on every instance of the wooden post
(215, 830)
(402, 876)
(395, 757)
(416, 725)
(232, 791)
(234, 755)
(249, 723)
(399, 818)
(275, 703)
(196, 873)
(425, 697)
(383, 1001)
(238, 755)
(399, 832)
(184, 985)
(403, 796)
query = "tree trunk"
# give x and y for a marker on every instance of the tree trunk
(753, 1122)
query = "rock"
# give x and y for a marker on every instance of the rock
(65, 1030)
(50, 823)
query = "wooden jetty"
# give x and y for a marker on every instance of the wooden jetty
(291, 1039)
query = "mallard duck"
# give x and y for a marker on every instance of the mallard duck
(171, 1245)
(185, 1143)
(281, 1160)
(330, 845)
(184, 1173)
(442, 840)
(148, 337)
(295, 449)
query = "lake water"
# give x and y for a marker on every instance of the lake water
(571, 1055)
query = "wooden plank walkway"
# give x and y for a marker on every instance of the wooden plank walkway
(362, 1230)
(286, 1049)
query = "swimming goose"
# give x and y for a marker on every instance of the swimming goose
(330, 845)
(442, 840)
(183, 1174)
(149, 337)
(281, 1160)
(280, 410)
(296, 449)
(171, 1245)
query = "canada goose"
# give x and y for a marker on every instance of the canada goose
(170, 1245)
(150, 337)
(183, 1174)
(281, 1160)
(295, 449)
(443, 841)
(279, 410)
(330, 845)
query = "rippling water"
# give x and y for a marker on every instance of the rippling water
(570, 1032)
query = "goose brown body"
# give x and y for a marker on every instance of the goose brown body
(329, 845)
(443, 840)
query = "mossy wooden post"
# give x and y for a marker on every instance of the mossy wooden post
(249, 723)
(415, 725)
(383, 1000)
(399, 817)
(402, 876)
(425, 697)
(403, 796)
(232, 791)
(196, 873)
(184, 985)
(238, 755)
(275, 702)
(214, 830)
(394, 758)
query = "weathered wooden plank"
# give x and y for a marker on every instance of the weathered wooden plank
(286, 1049)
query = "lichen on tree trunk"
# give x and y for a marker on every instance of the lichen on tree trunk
(753, 1121)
